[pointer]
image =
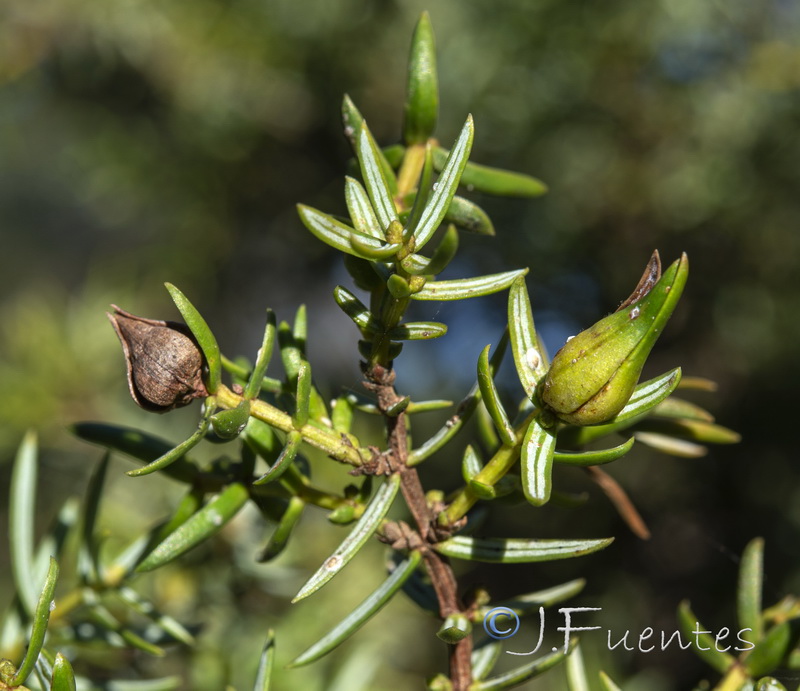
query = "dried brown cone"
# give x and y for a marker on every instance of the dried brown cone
(165, 364)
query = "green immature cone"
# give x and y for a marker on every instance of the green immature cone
(594, 374)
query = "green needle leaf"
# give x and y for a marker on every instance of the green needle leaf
(691, 430)
(469, 216)
(256, 379)
(369, 158)
(362, 613)
(594, 457)
(89, 558)
(463, 288)
(463, 413)
(102, 616)
(491, 399)
(63, 676)
(536, 456)
(649, 394)
(340, 236)
(352, 127)
(360, 208)
(705, 646)
(608, 682)
(769, 651)
(670, 445)
(424, 189)
(280, 537)
(645, 397)
(303, 396)
(485, 657)
(180, 450)
(202, 525)
(471, 464)
(139, 445)
(41, 617)
(265, 663)
(748, 596)
(361, 532)
(678, 408)
(503, 183)
(342, 414)
(497, 550)
(528, 354)
(147, 609)
(530, 602)
(205, 339)
(422, 101)
(355, 309)
(281, 465)
(416, 331)
(576, 671)
(21, 512)
(445, 187)
(522, 674)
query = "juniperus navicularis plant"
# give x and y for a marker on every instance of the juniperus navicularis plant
(405, 221)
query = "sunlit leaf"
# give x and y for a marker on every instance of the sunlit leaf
(504, 183)
(593, 457)
(748, 594)
(415, 331)
(536, 459)
(462, 288)
(445, 187)
(528, 354)
(770, 650)
(517, 551)
(705, 646)
(375, 181)
(352, 544)
(205, 339)
(522, 674)
(266, 661)
(286, 458)
(338, 235)
(41, 618)
(422, 99)
(468, 216)
(423, 193)
(280, 537)
(202, 525)
(63, 676)
(362, 613)
(178, 452)
(491, 399)
(360, 209)
(484, 657)
(22, 508)
(256, 378)
(576, 671)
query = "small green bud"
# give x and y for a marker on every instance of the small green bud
(592, 377)
(455, 628)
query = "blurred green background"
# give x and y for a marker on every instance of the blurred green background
(148, 141)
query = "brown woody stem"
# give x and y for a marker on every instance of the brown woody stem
(381, 381)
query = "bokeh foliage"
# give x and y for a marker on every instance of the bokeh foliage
(143, 142)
